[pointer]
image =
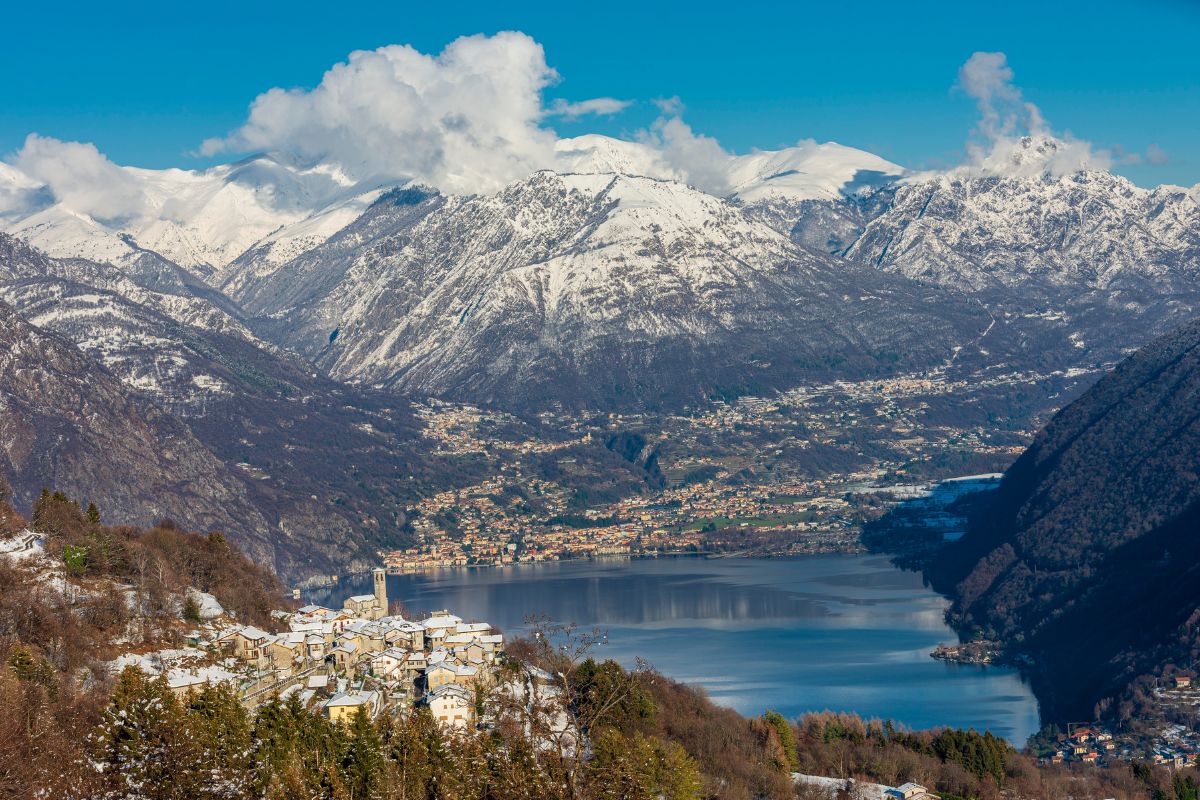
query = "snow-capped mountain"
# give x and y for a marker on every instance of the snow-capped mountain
(807, 171)
(1083, 229)
(591, 288)
(62, 416)
(199, 220)
(203, 220)
(593, 279)
(276, 428)
(279, 313)
(152, 324)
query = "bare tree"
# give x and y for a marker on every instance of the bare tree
(549, 702)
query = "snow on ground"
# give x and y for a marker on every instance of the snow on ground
(184, 666)
(209, 606)
(862, 791)
(24, 545)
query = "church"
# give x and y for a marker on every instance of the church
(370, 606)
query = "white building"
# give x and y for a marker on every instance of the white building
(452, 706)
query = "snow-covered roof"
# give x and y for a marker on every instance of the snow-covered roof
(252, 633)
(311, 609)
(441, 621)
(449, 690)
(352, 699)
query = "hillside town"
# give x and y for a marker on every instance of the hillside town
(338, 661)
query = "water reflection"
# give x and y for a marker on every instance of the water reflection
(841, 632)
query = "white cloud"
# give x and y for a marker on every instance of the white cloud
(81, 177)
(1012, 137)
(465, 120)
(701, 159)
(469, 119)
(596, 105)
(669, 106)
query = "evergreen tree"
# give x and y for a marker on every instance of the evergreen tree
(222, 731)
(405, 743)
(32, 669)
(787, 740)
(363, 761)
(143, 746)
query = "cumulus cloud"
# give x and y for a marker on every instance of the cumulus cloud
(469, 119)
(669, 106)
(81, 177)
(602, 106)
(699, 158)
(1012, 137)
(465, 120)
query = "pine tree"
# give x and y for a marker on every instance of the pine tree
(222, 730)
(405, 744)
(143, 744)
(787, 739)
(363, 762)
(41, 508)
(32, 669)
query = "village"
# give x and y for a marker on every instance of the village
(797, 473)
(341, 661)
(1154, 738)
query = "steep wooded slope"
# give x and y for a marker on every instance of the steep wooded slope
(1088, 556)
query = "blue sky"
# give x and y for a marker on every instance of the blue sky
(147, 83)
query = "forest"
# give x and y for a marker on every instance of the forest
(1085, 559)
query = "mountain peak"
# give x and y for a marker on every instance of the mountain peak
(808, 171)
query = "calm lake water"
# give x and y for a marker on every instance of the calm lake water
(841, 632)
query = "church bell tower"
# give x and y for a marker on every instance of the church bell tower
(381, 600)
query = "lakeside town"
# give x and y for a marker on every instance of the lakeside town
(798, 473)
(365, 656)
(1159, 738)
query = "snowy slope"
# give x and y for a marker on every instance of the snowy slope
(174, 347)
(594, 154)
(1080, 230)
(612, 266)
(66, 422)
(808, 171)
(201, 220)
(589, 288)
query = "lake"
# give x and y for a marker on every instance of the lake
(840, 632)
